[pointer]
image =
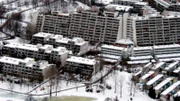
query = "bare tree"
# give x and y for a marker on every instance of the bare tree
(121, 83)
(11, 85)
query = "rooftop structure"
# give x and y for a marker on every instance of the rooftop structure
(156, 78)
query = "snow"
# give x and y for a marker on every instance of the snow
(177, 94)
(119, 8)
(112, 47)
(141, 58)
(167, 46)
(147, 75)
(138, 73)
(111, 56)
(137, 95)
(177, 70)
(125, 41)
(172, 87)
(158, 65)
(81, 60)
(140, 61)
(142, 48)
(148, 65)
(172, 65)
(163, 83)
(156, 78)
(42, 34)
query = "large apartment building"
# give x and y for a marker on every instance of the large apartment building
(82, 66)
(57, 23)
(77, 45)
(92, 27)
(88, 25)
(154, 29)
(47, 52)
(25, 68)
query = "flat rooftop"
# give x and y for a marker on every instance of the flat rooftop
(81, 60)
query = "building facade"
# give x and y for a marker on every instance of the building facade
(82, 66)
(154, 29)
(25, 68)
(88, 25)
(57, 23)
(94, 28)
(47, 52)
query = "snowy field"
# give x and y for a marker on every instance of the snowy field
(138, 95)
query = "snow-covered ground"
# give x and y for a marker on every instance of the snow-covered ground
(138, 96)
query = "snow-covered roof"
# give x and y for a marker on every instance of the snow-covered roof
(63, 40)
(168, 55)
(147, 75)
(56, 37)
(125, 41)
(112, 47)
(147, 65)
(166, 46)
(139, 72)
(81, 60)
(159, 76)
(15, 61)
(60, 38)
(170, 59)
(177, 70)
(158, 65)
(177, 94)
(140, 61)
(46, 48)
(29, 62)
(164, 82)
(142, 48)
(78, 41)
(60, 50)
(163, 3)
(172, 65)
(119, 7)
(141, 3)
(141, 58)
(172, 87)
(22, 46)
(111, 56)
(42, 34)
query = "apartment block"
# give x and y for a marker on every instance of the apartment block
(26, 68)
(88, 25)
(82, 66)
(57, 23)
(94, 28)
(77, 45)
(39, 52)
(154, 29)
(158, 52)
(111, 53)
